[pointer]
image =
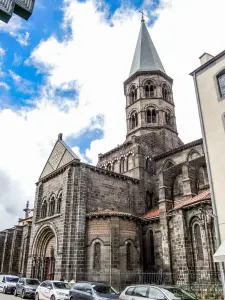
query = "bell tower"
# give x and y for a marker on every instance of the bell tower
(149, 96)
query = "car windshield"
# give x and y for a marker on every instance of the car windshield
(175, 293)
(61, 285)
(104, 289)
(12, 279)
(32, 282)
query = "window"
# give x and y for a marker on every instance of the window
(97, 256)
(151, 115)
(122, 165)
(141, 291)
(129, 291)
(52, 206)
(149, 89)
(108, 167)
(44, 209)
(198, 242)
(133, 94)
(129, 256)
(134, 120)
(151, 247)
(168, 118)
(59, 203)
(149, 200)
(154, 293)
(221, 83)
(165, 92)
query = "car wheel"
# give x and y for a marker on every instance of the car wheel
(23, 295)
(36, 297)
(52, 297)
(15, 293)
(4, 290)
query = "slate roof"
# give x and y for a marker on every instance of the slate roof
(145, 57)
(61, 155)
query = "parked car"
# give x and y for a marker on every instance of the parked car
(92, 291)
(154, 292)
(26, 287)
(8, 283)
(53, 290)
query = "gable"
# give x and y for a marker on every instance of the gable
(59, 157)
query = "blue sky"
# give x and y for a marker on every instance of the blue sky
(45, 21)
(63, 71)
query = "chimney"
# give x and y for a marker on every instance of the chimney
(205, 57)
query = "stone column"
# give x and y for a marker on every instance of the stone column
(165, 204)
(115, 251)
(189, 178)
(2, 240)
(15, 250)
(36, 217)
(77, 235)
(7, 250)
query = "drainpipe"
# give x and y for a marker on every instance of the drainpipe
(215, 217)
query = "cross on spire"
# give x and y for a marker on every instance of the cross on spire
(142, 16)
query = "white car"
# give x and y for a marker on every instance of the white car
(53, 290)
(8, 283)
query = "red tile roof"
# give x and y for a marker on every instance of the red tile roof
(203, 196)
(152, 213)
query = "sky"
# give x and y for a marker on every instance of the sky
(63, 71)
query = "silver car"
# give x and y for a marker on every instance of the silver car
(154, 292)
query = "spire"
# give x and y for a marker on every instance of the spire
(145, 56)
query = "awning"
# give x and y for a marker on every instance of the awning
(219, 256)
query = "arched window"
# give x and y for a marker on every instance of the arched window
(198, 242)
(134, 120)
(129, 256)
(44, 209)
(151, 247)
(149, 200)
(133, 94)
(52, 206)
(129, 162)
(97, 257)
(59, 203)
(122, 165)
(165, 93)
(168, 118)
(200, 179)
(149, 89)
(151, 115)
(108, 167)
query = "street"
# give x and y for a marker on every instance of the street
(7, 296)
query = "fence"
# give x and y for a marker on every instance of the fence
(201, 284)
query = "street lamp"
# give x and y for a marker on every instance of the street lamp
(22, 8)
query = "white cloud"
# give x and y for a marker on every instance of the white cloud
(97, 60)
(4, 85)
(15, 29)
(22, 85)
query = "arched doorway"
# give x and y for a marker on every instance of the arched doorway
(43, 262)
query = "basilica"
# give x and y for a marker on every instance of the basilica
(145, 207)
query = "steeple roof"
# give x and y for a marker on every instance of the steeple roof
(145, 57)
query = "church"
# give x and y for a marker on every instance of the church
(144, 209)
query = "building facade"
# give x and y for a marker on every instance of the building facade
(22, 8)
(209, 81)
(145, 208)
